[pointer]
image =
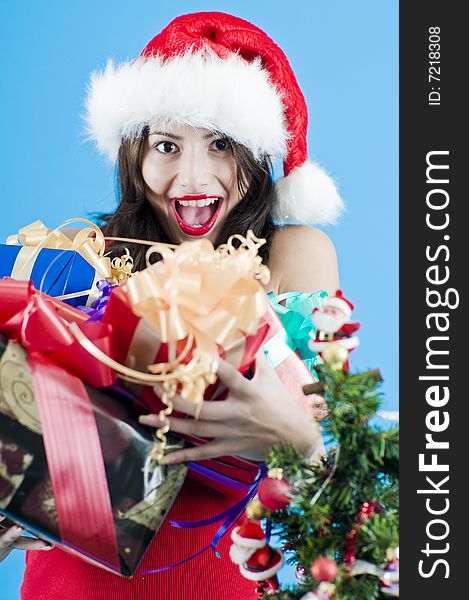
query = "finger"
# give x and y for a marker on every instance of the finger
(207, 429)
(218, 410)
(201, 428)
(231, 377)
(262, 365)
(10, 535)
(209, 450)
(188, 407)
(27, 543)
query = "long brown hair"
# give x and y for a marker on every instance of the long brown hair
(134, 217)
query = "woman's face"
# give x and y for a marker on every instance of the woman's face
(191, 180)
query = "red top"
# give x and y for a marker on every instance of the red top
(55, 574)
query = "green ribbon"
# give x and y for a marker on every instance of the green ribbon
(295, 312)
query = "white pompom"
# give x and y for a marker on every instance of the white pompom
(308, 196)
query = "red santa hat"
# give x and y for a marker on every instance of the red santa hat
(216, 71)
(339, 301)
(249, 535)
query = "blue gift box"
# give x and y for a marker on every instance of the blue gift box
(54, 272)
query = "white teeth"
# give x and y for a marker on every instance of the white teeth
(200, 203)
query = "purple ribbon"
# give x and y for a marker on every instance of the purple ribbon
(96, 310)
(235, 484)
(230, 516)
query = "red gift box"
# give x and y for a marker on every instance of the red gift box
(63, 442)
(40, 323)
(140, 346)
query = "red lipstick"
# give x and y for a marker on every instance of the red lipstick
(185, 210)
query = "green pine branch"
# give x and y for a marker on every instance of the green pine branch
(361, 466)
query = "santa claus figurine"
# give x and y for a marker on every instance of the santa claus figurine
(256, 559)
(333, 324)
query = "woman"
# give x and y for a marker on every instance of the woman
(193, 123)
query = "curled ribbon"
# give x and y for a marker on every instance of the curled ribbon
(198, 297)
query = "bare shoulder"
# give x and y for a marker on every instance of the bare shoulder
(303, 259)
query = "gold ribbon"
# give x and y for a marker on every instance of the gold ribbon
(212, 295)
(197, 294)
(36, 236)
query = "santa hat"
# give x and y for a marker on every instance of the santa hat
(339, 301)
(219, 72)
(249, 535)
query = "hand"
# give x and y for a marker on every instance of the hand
(12, 537)
(256, 414)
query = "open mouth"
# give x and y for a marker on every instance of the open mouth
(196, 215)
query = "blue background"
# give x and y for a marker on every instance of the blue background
(345, 57)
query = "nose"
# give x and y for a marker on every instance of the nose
(194, 169)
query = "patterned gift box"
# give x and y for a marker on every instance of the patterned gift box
(72, 455)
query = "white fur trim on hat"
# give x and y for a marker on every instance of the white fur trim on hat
(307, 195)
(229, 95)
(247, 542)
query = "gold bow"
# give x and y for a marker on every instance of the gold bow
(211, 296)
(36, 236)
(205, 296)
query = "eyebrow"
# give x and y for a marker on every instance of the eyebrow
(166, 134)
(207, 136)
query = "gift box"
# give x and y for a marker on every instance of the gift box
(41, 323)
(76, 468)
(140, 345)
(286, 344)
(62, 262)
(198, 298)
(55, 272)
(292, 361)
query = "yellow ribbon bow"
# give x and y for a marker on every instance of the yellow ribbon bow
(206, 296)
(211, 296)
(36, 236)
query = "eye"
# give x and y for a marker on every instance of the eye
(221, 144)
(166, 147)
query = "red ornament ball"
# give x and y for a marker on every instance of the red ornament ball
(324, 569)
(274, 493)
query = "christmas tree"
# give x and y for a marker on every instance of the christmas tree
(338, 520)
